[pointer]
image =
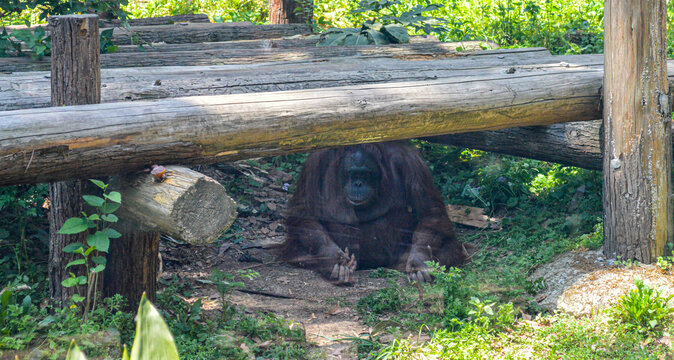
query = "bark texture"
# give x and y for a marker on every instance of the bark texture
(291, 11)
(637, 137)
(573, 143)
(71, 141)
(75, 80)
(234, 56)
(133, 265)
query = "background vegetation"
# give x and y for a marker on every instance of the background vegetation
(472, 313)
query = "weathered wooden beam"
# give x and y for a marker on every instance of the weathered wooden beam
(637, 193)
(413, 51)
(44, 144)
(199, 32)
(31, 89)
(161, 20)
(574, 143)
(186, 205)
(292, 42)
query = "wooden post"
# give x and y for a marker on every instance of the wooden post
(637, 131)
(75, 80)
(291, 11)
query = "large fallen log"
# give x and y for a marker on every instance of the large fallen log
(573, 143)
(31, 89)
(414, 51)
(186, 205)
(291, 42)
(199, 32)
(38, 145)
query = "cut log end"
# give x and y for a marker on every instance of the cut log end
(203, 212)
(186, 205)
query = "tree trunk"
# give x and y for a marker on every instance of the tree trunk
(70, 141)
(637, 131)
(291, 11)
(133, 265)
(75, 80)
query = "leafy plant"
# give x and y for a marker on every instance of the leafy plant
(225, 284)
(45, 8)
(98, 241)
(644, 310)
(153, 338)
(386, 26)
(107, 46)
(35, 40)
(386, 12)
(369, 34)
(666, 263)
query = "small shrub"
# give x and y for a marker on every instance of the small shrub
(644, 310)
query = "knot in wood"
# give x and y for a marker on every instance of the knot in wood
(615, 163)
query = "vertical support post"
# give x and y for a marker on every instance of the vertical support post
(291, 11)
(637, 131)
(75, 80)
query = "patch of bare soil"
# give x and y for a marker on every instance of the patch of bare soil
(584, 283)
(327, 312)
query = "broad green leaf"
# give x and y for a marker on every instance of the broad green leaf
(70, 248)
(81, 280)
(111, 233)
(99, 183)
(100, 240)
(73, 226)
(108, 208)
(76, 262)
(94, 217)
(4, 297)
(98, 260)
(114, 196)
(397, 34)
(77, 298)
(74, 352)
(89, 250)
(125, 354)
(94, 200)
(107, 34)
(376, 37)
(98, 268)
(110, 218)
(69, 282)
(26, 302)
(153, 339)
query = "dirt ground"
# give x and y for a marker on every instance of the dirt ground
(327, 312)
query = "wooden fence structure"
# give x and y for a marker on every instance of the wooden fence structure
(183, 103)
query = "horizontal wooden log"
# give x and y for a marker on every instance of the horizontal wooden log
(574, 143)
(199, 32)
(186, 205)
(38, 145)
(160, 20)
(413, 51)
(292, 42)
(31, 89)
